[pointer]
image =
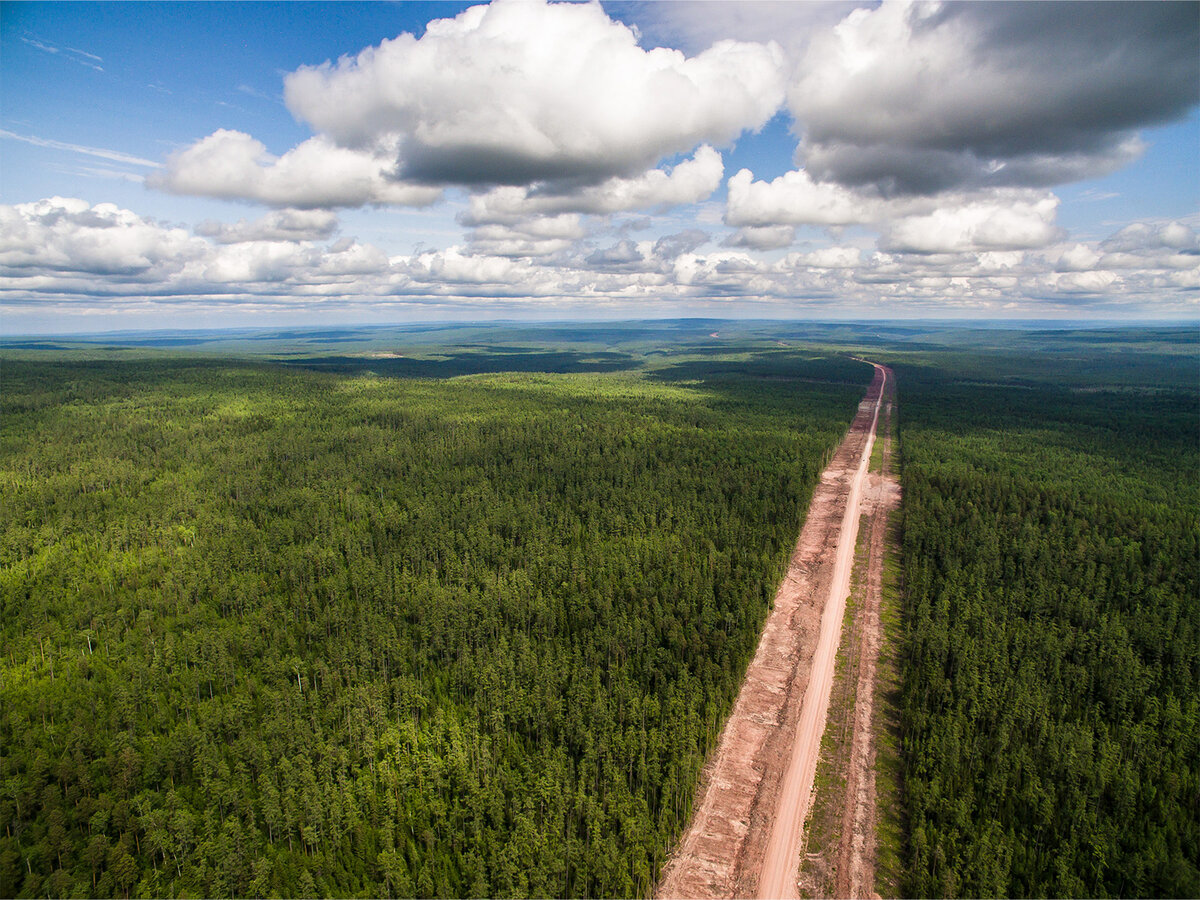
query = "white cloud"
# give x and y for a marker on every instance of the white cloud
(690, 181)
(1077, 258)
(1142, 237)
(1171, 248)
(67, 250)
(273, 262)
(253, 263)
(519, 92)
(795, 199)
(98, 152)
(762, 237)
(1178, 236)
(68, 244)
(825, 258)
(672, 246)
(925, 97)
(1004, 221)
(347, 257)
(69, 235)
(1186, 280)
(277, 225)
(1093, 282)
(951, 222)
(455, 269)
(539, 236)
(624, 254)
(317, 173)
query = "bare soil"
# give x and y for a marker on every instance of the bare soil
(745, 833)
(855, 859)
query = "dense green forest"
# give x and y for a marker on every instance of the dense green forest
(1051, 549)
(271, 630)
(342, 623)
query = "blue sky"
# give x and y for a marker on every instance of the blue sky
(214, 164)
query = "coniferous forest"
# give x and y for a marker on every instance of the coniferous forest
(1051, 550)
(465, 620)
(283, 632)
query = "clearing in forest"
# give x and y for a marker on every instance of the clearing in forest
(849, 834)
(745, 833)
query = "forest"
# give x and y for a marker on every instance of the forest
(1051, 567)
(460, 611)
(270, 630)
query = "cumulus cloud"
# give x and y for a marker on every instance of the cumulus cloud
(278, 225)
(69, 235)
(1141, 237)
(921, 97)
(794, 198)
(1076, 258)
(519, 92)
(456, 269)
(1171, 248)
(938, 128)
(762, 237)
(254, 263)
(272, 262)
(825, 258)
(896, 170)
(541, 236)
(993, 219)
(554, 106)
(674, 245)
(1093, 282)
(621, 255)
(1003, 222)
(67, 244)
(690, 181)
(317, 173)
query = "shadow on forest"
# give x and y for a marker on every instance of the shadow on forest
(472, 362)
(768, 365)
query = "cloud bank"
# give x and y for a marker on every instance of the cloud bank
(63, 249)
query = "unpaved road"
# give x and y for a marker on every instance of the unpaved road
(745, 833)
(857, 851)
(782, 858)
(845, 813)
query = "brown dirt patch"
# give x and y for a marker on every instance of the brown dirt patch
(722, 852)
(856, 854)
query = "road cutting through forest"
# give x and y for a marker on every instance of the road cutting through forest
(745, 836)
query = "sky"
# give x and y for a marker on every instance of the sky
(209, 165)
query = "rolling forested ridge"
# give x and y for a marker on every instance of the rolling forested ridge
(272, 631)
(1051, 552)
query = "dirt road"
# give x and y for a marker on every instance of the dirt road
(842, 854)
(745, 833)
(858, 848)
